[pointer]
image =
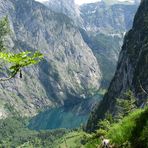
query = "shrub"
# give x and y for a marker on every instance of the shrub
(144, 137)
(122, 132)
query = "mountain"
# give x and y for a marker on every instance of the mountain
(67, 7)
(104, 29)
(76, 58)
(106, 19)
(112, 2)
(103, 26)
(66, 75)
(131, 73)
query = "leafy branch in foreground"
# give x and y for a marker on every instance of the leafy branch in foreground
(11, 63)
(18, 61)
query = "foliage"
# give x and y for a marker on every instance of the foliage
(4, 30)
(125, 105)
(20, 60)
(11, 63)
(121, 132)
(104, 124)
(128, 128)
(93, 143)
(14, 133)
(72, 139)
(130, 131)
(140, 130)
(143, 139)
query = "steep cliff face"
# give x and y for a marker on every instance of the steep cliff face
(132, 69)
(105, 24)
(69, 70)
(107, 18)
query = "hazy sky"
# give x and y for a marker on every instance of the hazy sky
(85, 1)
(77, 1)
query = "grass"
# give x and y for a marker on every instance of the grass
(93, 143)
(134, 126)
(130, 132)
(124, 131)
(70, 140)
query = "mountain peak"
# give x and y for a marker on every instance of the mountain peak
(112, 2)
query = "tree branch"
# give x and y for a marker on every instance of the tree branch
(10, 77)
(143, 88)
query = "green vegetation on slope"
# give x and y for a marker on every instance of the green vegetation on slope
(14, 133)
(130, 132)
(72, 140)
(132, 69)
(131, 129)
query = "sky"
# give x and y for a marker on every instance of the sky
(80, 2)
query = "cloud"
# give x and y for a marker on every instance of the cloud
(79, 2)
(41, 1)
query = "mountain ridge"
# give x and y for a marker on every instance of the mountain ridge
(36, 27)
(70, 76)
(131, 73)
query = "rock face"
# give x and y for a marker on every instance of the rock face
(132, 69)
(69, 70)
(108, 19)
(76, 42)
(104, 27)
(67, 7)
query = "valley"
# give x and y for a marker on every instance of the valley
(74, 74)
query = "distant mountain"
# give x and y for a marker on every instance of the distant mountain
(132, 70)
(127, 2)
(67, 7)
(116, 18)
(68, 72)
(104, 27)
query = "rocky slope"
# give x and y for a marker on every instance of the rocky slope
(105, 24)
(69, 70)
(67, 7)
(131, 73)
(70, 74)
(108, 18)
(105, 40)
